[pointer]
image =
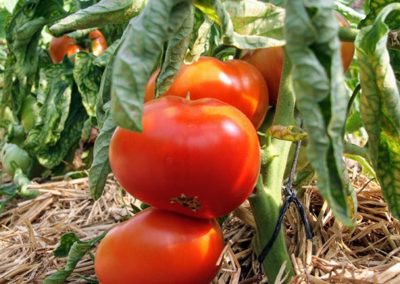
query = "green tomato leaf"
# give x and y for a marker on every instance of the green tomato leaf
(55, 87)
(52, 156)
(380, 105)
(23, 33)
(10, 5)
(366, 168)
(375, 6)
(76, 252)
(100, 168)
(87, 77)
(395, 62)
(104, 96)
(200, 37)
(354, 121)
(103, 59)
(253, 35)
(3, 20)
(253, 17)
(137, 55)
(175, 53)
(314, 49)
(99, 14)
(66, 242)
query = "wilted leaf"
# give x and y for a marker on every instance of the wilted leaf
(77, 250)
(137, 55)
(66, 242)
(51, 156)
(313, 48)
(87, 77)
(288, 133)
(252, 37)
(380, 105)
(99, 14)
(55, 87)
(175, 53)
(100, 168)
(375, 6)
(253, 17)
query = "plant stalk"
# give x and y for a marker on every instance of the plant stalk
(267, 198)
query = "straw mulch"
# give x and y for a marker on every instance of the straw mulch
(369, 253)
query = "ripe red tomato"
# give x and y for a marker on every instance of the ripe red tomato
(269, 61)
(235, 82)
(157, 246)
(66, 46)
(61, 46)
(199, 158)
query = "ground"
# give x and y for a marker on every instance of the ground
(368, 253)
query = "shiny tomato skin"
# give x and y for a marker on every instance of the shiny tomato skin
(99, 43)
(200, 158)
(269, 61)
(62, 46)
(157, 246)
(235, 82)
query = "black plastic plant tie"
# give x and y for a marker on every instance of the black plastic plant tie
(303, 217)
(267, 248)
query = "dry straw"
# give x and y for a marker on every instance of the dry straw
(369, 253)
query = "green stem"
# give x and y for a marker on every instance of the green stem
(348, 12)
(348, 34)
(22, 182)
(267, 199)
(352, 149)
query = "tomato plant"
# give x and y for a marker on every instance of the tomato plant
(67, 46)
(269, 62)
(199, 158)
(157, 246)
(235, 82)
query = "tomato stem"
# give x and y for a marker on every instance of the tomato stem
(267, 199)
(348, 34)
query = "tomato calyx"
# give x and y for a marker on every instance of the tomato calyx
(192, 203)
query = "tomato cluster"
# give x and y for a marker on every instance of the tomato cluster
(67, 46)
(197, 158)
